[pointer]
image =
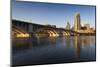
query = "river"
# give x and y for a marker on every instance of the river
(47, 50)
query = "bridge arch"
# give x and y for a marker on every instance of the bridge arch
(18, 32)
(46, 32)
(65, 33)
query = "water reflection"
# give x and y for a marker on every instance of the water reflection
(83, 42)
(86, 41)
(78, 42)
(65, 49)
(67, 41)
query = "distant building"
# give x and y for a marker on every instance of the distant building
(87, 26)
(68, 26)
(77, 22)
(83, 28)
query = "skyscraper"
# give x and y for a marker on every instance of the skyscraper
(77, 22)
(68, 26)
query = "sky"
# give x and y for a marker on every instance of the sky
(53, 14)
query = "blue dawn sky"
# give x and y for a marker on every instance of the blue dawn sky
(54, 14)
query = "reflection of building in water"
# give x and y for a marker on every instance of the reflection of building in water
(68, 41)
(77, 46)
(85, 41)
(92, 40)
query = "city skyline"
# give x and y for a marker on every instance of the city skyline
(46, 13)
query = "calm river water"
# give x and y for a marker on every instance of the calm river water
(33, 51)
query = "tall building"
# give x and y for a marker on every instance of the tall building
(77, 22)
(68, 26)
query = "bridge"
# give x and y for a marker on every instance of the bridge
(27, 29)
